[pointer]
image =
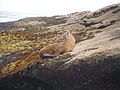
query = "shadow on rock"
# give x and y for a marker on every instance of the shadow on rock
(17, 82)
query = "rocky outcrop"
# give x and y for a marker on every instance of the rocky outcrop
(103, 17)
(92, 65)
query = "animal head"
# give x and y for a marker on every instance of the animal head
(70, 32)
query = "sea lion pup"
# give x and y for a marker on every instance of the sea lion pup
(56, 49)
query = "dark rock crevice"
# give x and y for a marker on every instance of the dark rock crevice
(116, 11)
(102, 11)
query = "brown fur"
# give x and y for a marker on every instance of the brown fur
(56, 49)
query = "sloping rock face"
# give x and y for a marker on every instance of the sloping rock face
(94, 63)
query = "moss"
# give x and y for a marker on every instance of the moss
(9, 45)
